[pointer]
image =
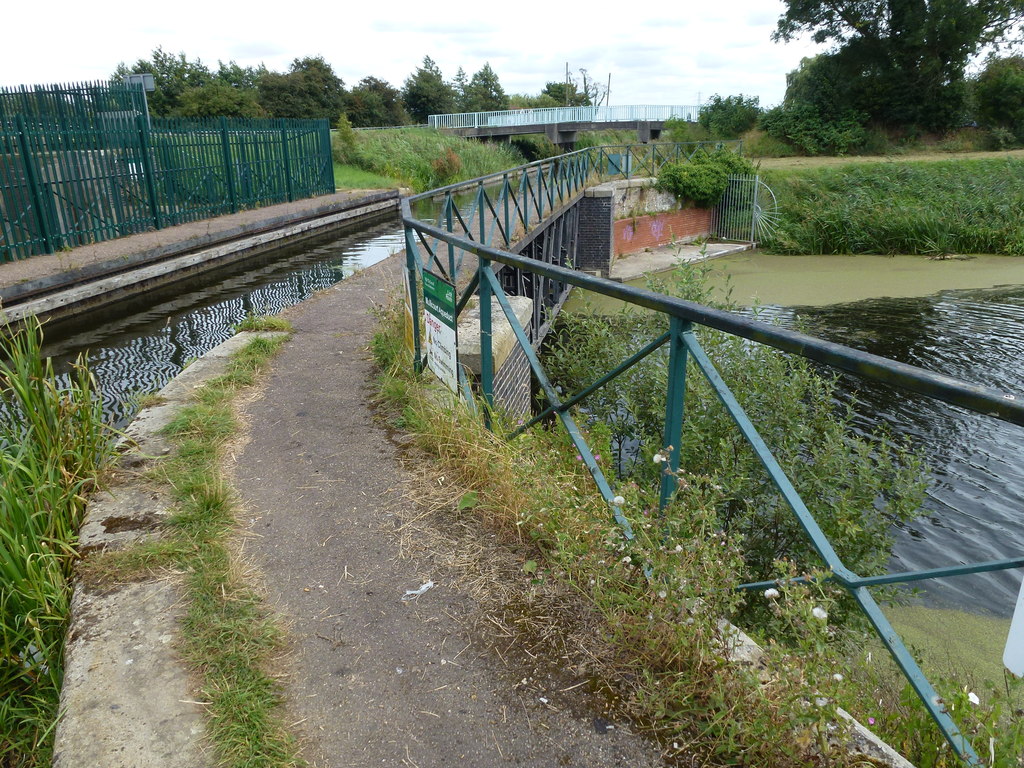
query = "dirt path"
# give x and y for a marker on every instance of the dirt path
(374, 680)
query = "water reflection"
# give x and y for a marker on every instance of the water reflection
(138, 346)
(976, 497)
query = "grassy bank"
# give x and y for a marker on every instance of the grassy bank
(421, 158)
(939, 207)
(228, 636)
(54, 444)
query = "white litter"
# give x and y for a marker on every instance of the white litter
(412, 594)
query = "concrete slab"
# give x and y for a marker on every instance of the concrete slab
(637, 265)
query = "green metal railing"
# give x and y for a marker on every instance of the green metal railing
(70, 182)
(89, 102)
(501, 209)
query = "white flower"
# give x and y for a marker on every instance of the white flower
(837, 677)
(819, 613)
(618, 501)
(771, 594)
(973, 698)
(663, 594)
(627, 559)
(658, 458)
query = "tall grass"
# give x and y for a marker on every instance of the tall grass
(53, 444)
(960, 206)
(423, 158)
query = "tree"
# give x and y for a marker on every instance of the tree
(999, 94)
(173, 74)
(484, 92)
(374, 103)
(904, 59)
(309, 90)
(426, 93)
(460, 84)
(573, 93)
(219, 100)
(237, 76)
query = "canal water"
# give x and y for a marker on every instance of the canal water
(964, 318)
(138, 346)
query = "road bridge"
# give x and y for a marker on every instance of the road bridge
(562, 124)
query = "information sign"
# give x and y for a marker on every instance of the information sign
(441, 336)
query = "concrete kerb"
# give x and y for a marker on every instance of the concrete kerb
(126, 701)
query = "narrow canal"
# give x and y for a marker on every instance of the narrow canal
(136, 347)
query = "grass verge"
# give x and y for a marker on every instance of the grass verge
(933, 207)
(353, 177)
(228, 636)
(54, 445)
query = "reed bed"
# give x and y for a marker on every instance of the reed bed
(934, 208)
(54, 443)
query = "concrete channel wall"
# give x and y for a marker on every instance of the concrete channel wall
(67, 292)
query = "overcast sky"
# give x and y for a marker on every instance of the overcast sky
(668, 55)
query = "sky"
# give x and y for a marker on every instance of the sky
(679, 55)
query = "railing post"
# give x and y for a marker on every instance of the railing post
(486, 338)
(147, 170)
(674, 400)
(506, 192)
(410, 268)
(35, 189)
(448, 221)
(226, 148)
(287, 163)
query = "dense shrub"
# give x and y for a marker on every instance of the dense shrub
(729, 117)
(702, 180)
(804, 127)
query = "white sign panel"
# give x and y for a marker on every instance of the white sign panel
(439, 319)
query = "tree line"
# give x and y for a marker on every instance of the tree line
(310, 88)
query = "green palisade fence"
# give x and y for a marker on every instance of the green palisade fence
(79, 179)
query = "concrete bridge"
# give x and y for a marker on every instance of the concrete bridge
(562, 124)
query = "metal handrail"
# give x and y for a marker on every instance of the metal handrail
(682, 344)
(507, 118)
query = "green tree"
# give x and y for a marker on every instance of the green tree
(219, 99)
(904, 60)
(173, 75)
(729, 117)
(245, 78)
(999, 95)
(460, 85)
(484, 92)
(374, 102)
(426, 93)
(310, 89)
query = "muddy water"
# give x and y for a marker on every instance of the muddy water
(964, 318)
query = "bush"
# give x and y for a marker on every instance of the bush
(729, 117)
(681, 131)
(857, 485)
(343, 142)
(803, 126)
(702, 180)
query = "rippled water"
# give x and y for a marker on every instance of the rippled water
(975, 505)
(137, 347)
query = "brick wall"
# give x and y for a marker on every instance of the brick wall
(636, 234)
(594, 239)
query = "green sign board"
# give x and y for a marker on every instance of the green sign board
(440, 322)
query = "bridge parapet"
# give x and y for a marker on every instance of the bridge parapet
(555, 115)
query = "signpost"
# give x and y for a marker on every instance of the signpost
(441, 336)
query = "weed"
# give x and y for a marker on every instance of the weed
(54, 444)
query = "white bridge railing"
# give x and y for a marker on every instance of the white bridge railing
(516, 117)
